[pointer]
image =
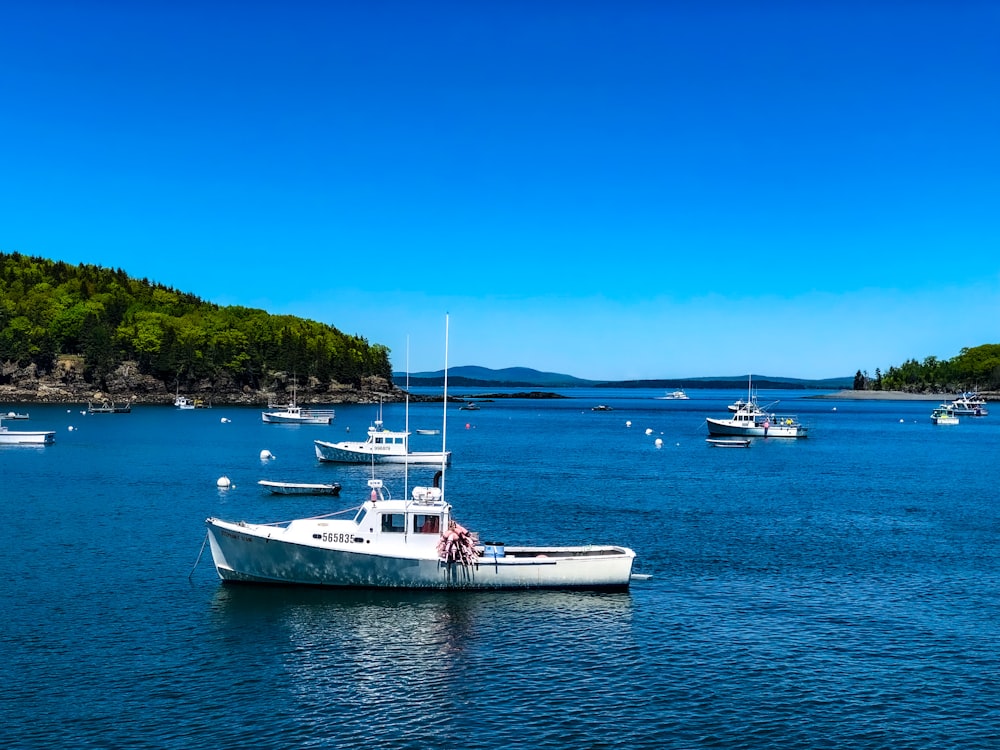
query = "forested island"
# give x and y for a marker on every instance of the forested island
(76, 332)
(973, 369)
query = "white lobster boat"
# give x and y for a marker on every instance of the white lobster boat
(382, 446)
(404, 543)
(749, 419)
(294, 414)
(409, 543)
(25, 437)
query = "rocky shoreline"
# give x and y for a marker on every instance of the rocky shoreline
(126, 385)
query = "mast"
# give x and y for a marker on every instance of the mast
(406, 428)
(444, 415)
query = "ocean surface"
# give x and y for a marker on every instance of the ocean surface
(838, 591)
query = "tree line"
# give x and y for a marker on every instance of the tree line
(976, 368)
(50, 308)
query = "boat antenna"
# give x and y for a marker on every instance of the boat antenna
(444, 416)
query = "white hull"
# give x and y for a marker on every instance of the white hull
(729, 442)
(363, 453)
(299, 488)
(945, 420)
(743, 429)
(279, 417)
(357, 557)
(16, 437)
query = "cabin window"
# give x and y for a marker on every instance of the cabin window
(393, 523)
(424, 524)
(360, 517)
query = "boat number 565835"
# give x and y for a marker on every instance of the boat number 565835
(336, 538)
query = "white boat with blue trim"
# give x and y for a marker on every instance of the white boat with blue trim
(403, 543)
(409, 542)
(752, 420)
(292, 413)
(25, 437)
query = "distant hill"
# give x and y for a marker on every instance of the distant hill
(525, 377)
(508, 377)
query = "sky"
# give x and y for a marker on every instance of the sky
(611, 190)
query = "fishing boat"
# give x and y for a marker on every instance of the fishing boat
(299, 488)
(16, 415)
(382, 446)
(109, 407)
(405, 543)
(408, 542)
(944, 414)
(753, 420)
(25, 437)
(673, 396)
(471, 406)
(292, 413)
(183, 402)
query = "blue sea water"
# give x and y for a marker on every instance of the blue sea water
(838, 591)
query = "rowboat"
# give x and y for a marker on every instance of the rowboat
(729, 442)
(299, 488)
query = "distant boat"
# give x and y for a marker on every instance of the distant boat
(970, 404)
(109, 407)
(602, 407)
(299, 488)
(944, 414)
(183, 402)
(292, 413)
(729, 442)
(14, 415)
(428, 432)
(752, 420)
(469, 407)
(381, 447)
(25, 437)
(673, 395)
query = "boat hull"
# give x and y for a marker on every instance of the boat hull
(278, 418)
(33, 437)
(299, 488)
(363, 453)
(729, 427)
(248, 553)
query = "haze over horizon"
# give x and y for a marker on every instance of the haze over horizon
(613, 191)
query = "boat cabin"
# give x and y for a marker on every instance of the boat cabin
(425, 516)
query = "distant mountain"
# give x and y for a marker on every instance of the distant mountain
(508, 377)
(525, 377)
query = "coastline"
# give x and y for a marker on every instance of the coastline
(886, 396)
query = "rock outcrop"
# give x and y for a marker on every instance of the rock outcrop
(66, 384)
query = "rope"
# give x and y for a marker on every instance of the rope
(203, 543)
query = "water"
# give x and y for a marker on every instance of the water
(834, 592)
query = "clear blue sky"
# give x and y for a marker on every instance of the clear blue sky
(611, 190)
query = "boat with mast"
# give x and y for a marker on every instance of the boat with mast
(292, 413)
(409, 542)
(752, 420)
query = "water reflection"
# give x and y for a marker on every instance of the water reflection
(412, 657)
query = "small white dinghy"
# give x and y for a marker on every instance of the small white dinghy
(729, 442)
(299, 488)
